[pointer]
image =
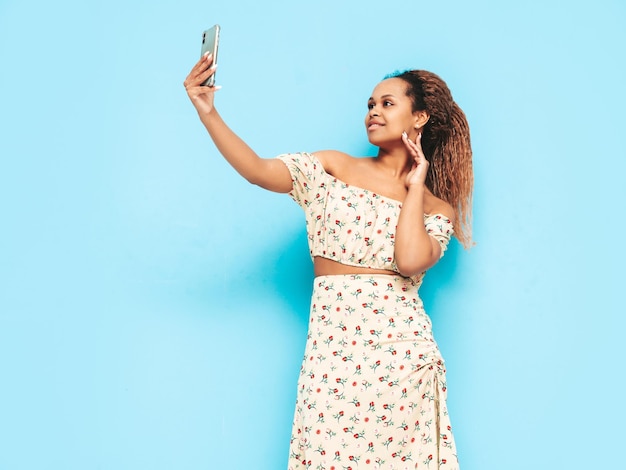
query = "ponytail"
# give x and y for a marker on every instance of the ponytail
(446, 145)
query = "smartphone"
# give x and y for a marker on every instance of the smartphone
(210, 41)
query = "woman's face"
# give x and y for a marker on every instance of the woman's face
(390, 113)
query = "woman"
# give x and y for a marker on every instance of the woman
(372, 389)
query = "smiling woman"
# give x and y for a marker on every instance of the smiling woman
(372, 387)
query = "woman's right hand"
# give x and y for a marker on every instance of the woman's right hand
(201, 96)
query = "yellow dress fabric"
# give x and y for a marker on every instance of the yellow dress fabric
(372, 387)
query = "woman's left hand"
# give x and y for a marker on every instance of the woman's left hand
(417, 175)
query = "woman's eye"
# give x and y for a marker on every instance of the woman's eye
(370, 105)
(387, 103)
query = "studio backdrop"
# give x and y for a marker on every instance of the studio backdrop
(153, 304)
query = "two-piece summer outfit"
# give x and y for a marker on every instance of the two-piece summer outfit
(372, 388)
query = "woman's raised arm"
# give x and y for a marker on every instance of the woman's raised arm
(271, 174)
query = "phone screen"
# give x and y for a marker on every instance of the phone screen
(210, 40)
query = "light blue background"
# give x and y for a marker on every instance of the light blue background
(153, 305)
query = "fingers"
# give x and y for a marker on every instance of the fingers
(201, 71)
(197, 91)
(205, 61)
(199, 77)
(415, 148)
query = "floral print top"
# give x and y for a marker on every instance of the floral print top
(348, 224)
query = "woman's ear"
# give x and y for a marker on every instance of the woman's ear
(421, 118)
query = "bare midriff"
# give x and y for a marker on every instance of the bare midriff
(328, 267)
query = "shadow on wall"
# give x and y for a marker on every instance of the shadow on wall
(283, 271)
(439, 279)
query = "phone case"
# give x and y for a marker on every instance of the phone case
(210, 41)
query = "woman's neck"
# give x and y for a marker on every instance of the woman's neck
(396, 163)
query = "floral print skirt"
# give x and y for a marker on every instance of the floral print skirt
(372, 388)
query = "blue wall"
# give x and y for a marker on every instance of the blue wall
(153, 306)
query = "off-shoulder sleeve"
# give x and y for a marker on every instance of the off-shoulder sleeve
(440, 228)
(306, 173)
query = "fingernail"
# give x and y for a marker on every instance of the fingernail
(404, 134)
(217, 87)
